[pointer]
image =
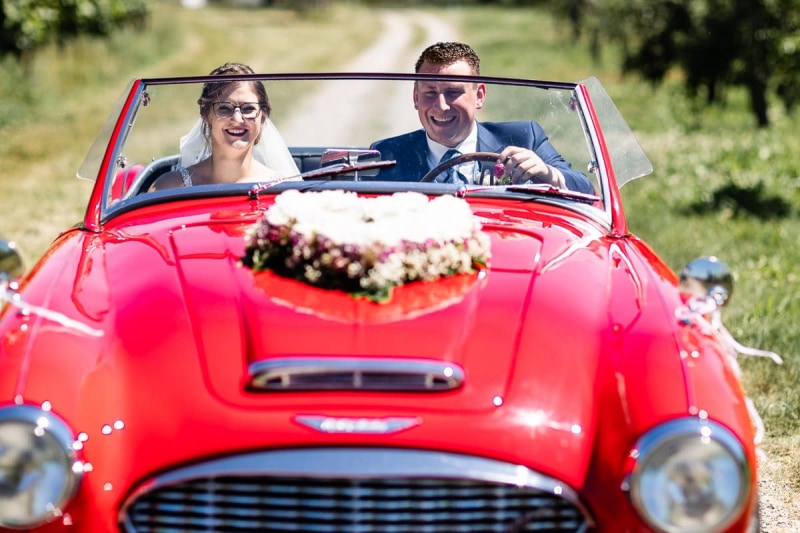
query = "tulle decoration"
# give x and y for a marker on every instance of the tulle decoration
(271, 150)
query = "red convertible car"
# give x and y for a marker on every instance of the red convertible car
(352, 338)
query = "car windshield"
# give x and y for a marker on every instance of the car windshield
(331, 127)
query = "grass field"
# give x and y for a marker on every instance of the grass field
(720, 186)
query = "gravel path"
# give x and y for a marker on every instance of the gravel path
(780, 505)
(358, 111)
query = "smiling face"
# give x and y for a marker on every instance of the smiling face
(235, 132)
(447, 109)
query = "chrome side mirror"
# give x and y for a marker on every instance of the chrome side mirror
(707, 277)
(709, 283)
(10, 260)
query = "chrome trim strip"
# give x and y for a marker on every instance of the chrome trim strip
(362, 373)
(363, 463)
(363, 425)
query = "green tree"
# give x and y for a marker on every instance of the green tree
(29, 24)
(716, 44)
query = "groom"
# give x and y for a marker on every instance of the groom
(447, 113)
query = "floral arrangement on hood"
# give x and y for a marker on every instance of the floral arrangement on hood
(364, 245)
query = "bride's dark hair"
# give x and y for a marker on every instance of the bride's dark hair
(212, 90)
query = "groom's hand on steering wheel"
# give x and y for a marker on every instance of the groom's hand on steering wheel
(523, 165)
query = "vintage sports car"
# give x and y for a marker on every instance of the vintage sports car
(358, 344)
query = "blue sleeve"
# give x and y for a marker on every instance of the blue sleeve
(575, 181)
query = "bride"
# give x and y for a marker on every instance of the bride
(234, 140)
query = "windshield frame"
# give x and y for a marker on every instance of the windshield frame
(592, 103)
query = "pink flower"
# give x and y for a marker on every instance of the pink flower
(499, 170)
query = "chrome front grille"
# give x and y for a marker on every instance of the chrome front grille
(312, 490)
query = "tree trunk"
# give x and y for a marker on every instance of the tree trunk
(758, 101)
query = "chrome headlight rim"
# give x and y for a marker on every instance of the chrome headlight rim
(43, 423)
(686, 429)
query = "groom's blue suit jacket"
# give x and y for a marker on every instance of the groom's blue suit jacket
(410, 150)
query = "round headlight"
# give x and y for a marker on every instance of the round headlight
(690, 476)
(39, 471)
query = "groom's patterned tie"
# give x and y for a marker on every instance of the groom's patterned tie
(450, 175)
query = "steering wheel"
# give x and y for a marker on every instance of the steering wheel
(463, 158)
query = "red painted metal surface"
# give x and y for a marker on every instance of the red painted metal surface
(566, 340)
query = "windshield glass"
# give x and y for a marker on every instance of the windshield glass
(543, 131)
(93, 161)
(628, 158)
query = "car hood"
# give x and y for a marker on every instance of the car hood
(529, 333)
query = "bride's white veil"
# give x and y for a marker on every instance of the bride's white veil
(271, 150)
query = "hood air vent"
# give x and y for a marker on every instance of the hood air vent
(355, 374)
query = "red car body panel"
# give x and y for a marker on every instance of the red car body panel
(195, 297)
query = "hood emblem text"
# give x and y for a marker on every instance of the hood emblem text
(328, 424)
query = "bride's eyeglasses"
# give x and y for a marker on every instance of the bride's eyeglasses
(227, 109)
